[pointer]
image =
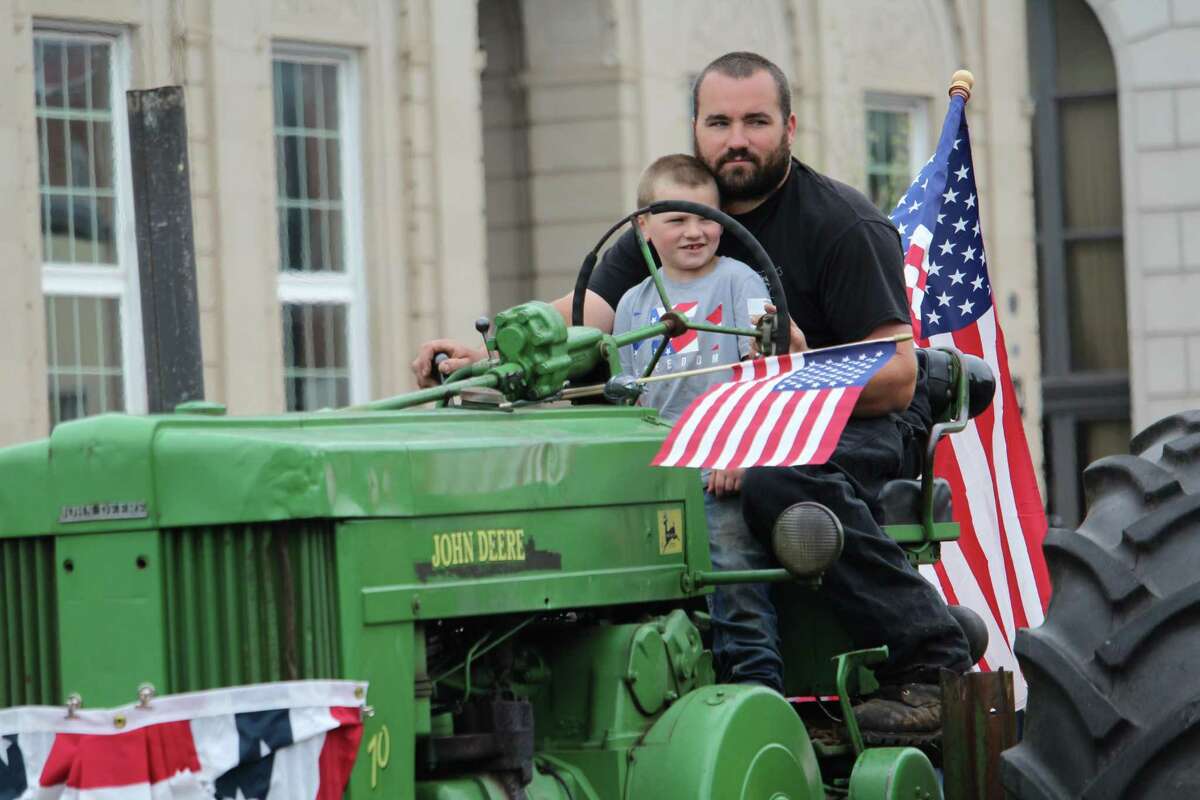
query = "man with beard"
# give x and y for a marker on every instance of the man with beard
(841, 266)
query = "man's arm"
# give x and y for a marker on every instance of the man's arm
(597, 313)
(862, 291)
(891, 389)
(619, 269)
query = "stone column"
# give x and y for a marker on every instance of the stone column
(1156, 47)
(23, 404)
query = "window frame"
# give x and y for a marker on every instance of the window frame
(916, 108)
(349, 287)
(1071, 396)
(121, 280)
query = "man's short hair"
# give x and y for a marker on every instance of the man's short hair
(743, 64)
(679, 168)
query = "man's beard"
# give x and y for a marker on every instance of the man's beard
(751, 181)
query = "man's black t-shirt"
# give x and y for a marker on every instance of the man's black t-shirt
(838, 258)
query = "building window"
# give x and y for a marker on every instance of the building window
(89, 259)
(897, 133)
(321, 285)
(1081, 264)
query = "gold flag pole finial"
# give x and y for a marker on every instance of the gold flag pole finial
(960, 83)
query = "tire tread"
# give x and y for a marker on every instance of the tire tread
(1132, 552)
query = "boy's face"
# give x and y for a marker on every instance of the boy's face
(683, 241)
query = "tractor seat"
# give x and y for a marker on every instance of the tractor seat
(901, 502)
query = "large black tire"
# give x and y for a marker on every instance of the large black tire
(1114, 672)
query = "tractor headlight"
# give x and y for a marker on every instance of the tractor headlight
(807, 539)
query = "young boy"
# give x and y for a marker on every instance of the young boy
(720, 290)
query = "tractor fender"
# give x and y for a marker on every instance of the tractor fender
(893, 773)
(726, 742)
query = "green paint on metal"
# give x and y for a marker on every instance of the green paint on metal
(201, 407)
(655, 275)
(29, 644)
(544, 786)
(648, 673)
(915, 534)
(737, 742)
(111, 632)
(850, 667)
(192, 470)
(207, 551)
(726, 577)
(534, 337)
(250, 604)
(24, 479)
(632, 673)
(533, 560)
(637, 335)
(454, 385)
(684, 648)
(894, 773)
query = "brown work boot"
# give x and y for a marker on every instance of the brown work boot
(907, 714)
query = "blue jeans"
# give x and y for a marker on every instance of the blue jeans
(877, 595)
(745, 627)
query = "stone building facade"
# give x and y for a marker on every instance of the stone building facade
(1156, 46)
(475, 149)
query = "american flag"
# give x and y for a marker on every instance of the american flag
(996, 568)
(285, 741)
(780, 411)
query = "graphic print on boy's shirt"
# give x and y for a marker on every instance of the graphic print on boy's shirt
(683, 351)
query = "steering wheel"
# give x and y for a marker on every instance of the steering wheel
(780, 336)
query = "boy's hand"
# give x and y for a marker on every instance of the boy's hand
(725, 481)
(798, 344)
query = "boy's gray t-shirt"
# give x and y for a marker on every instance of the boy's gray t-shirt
(729, 295)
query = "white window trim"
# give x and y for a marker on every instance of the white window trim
(350, 287)
(917, 109)
(120, 281)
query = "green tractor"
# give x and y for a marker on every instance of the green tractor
(523, 592)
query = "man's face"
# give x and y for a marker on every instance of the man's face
(741, 134)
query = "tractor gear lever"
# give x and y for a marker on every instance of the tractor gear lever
(437, 367)
(623, 388)
(483, 325)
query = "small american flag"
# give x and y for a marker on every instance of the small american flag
(996, 567)
(776, 412)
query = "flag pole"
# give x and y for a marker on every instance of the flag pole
(961, 83)
(586, 391)
(897, 338)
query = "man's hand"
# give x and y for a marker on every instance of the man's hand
(460, 355)
(596, 313)
(725, 481)
(796, 341)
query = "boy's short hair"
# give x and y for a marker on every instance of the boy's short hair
(743, 64)
(678, 168)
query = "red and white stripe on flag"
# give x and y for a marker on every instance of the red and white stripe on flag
(780, 411)
(996, 567)
(916, 269)
(189, 746)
